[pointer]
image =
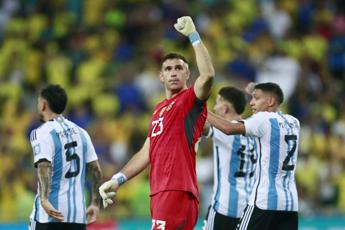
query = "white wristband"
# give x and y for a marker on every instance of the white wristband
(194, 38)
(120, 178)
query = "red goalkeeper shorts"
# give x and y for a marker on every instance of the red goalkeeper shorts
(172, 210)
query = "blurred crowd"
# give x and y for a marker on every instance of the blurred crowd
(107, 54)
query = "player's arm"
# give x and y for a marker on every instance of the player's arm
(204, 82)
(138, 162)
(225, 126)
(94, 173)
(206, 129)
(44, 179)
(134, 166)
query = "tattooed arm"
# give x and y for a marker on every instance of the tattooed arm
(94, 174)
(44, 178)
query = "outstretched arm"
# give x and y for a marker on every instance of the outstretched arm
(135, 165)
(204, 82)
(94, 173)
(225, 126)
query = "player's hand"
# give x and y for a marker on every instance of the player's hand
(91, 213)
(107, 191)
(250, 88)
(185, 25)
(51, 211)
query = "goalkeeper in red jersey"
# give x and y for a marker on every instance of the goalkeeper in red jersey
(170, 147)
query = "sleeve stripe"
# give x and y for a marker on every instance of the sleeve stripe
(33, 135)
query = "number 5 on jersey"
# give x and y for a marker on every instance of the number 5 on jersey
(72, 157)
(157, 127)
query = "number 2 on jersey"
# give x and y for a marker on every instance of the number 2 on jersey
(291, 140)
(73, 157)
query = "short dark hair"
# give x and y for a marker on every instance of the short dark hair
(56, 97)
(174, 56)
(272, 88)
(235, 96)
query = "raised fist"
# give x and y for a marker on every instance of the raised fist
(185, 25)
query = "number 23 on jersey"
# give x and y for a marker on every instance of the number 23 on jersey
(157, 127)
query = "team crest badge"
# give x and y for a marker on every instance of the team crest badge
(37, 149)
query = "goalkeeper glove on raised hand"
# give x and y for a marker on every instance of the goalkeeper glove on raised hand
(185, 26)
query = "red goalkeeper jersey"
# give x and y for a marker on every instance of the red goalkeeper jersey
(175, 128)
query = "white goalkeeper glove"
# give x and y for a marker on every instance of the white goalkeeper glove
(108, 189)
(185, 26)
(105, 194)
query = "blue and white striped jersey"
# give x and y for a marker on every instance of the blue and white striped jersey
(68, 147)
(234, 167)
(277, 141)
